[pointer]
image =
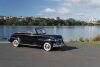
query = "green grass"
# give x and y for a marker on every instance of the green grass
(89, 43)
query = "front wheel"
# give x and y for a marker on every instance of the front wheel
(47, 46)
(15, 43)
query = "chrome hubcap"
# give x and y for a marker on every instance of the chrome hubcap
(15, 43)
(47, 47)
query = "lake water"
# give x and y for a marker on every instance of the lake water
(68, 32)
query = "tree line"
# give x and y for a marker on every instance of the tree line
(38, 21)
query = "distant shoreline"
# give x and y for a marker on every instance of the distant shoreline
(40, 21)
(50, 26)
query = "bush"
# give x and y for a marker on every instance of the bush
(97, 38)
(87, 40)
(81, 39)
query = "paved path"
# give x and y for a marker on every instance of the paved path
(72, 56)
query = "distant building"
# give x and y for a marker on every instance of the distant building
(4, 17)
(58, 18)
(92, 20)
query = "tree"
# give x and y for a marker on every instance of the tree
(38, 21)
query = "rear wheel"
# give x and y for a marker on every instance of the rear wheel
(47, 46)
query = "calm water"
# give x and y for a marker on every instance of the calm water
(68, 32)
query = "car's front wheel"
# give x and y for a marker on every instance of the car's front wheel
(47, 46)
(16, 43)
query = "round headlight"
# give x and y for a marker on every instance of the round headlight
(49, 39)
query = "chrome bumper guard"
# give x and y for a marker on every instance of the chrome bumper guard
(58, 45)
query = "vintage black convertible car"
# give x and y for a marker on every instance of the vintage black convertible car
(39, 38)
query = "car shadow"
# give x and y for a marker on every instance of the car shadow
(65, 48)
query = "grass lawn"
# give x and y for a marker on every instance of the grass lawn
(90, 43)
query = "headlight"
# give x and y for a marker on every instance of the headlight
(49, 39)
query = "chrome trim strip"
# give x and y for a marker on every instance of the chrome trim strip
(55, 45)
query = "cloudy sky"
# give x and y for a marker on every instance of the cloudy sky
(78, 9)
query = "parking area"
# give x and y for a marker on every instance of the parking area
(29, 56)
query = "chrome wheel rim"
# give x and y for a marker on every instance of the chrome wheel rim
(15, 43)
(47, 47)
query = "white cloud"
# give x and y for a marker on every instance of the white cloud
(85, 2)
(94, 3)
(49, 10)
(89, 3)
(63, 10)
(71, 7)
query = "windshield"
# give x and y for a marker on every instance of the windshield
(40, 31)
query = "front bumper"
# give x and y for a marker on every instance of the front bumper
(58, 44)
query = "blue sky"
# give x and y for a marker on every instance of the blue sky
(78, 9)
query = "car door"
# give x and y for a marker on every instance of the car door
(32, 39)
(40, 40)
(25, 39)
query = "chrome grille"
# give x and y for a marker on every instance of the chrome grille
(59, 41)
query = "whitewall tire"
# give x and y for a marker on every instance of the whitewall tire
(15, 43)
(47, 46)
